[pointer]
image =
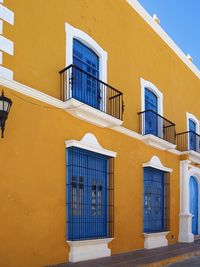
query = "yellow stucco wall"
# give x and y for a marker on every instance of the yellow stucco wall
(33, 184)
(32, 155)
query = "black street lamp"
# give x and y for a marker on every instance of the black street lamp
(5, 105)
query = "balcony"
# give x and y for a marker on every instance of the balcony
(156, 130)
(90, 99)
(189, 143)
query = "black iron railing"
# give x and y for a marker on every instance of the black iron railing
(152, 123)
(188, 141)
(81, 85)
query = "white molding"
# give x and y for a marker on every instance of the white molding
(155, 90)
(89, 249)
(158, 142)
(128, 132)
(89, 114)
(6, 14)
(6, 73)
(193, 156)
(1, 26)
(164, 36)
(155, 240)
(1, 1)
(6, 45)
(156, 164)
(71, 33)
(190, 116)
(90, 142)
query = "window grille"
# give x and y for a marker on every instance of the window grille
(156, 205)
(90, 193)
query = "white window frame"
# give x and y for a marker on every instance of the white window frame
(74, 33)
(150, 86)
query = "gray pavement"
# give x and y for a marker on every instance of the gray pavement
(192, 262)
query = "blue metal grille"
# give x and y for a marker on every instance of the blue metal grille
(89, 195)
(155, 201)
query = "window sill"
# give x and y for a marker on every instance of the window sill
(89, 114)
(157, 142)
(89, 249)
(155, 240)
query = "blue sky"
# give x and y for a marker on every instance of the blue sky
(181, 20)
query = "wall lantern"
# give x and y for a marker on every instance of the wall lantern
(5, 105)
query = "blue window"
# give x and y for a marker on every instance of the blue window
(86, 88)
(151, 118)
(153, 200)
(192, 135)
(194, 204)
(88, 199)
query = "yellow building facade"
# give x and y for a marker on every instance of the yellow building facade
(100, 153)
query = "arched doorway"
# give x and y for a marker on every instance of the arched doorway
(194, 204)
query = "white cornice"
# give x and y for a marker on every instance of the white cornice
(157, 28)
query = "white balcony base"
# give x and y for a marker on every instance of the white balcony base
(155, 240)
(89, 114)
(157, 142)
(89, 249)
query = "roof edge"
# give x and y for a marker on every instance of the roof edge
(164, 36)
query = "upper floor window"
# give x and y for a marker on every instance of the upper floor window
(86, 86)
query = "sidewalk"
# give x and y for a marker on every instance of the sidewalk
(143, 257)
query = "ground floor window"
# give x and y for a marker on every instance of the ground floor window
(90, 194)
(155, 201)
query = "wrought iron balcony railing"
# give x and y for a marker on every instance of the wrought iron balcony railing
(82, 86)
(152, 123)
(188, 141)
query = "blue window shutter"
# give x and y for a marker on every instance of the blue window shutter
(192, 135)
(153, 200)
(151, 118)
(87, 194)
(86, 88)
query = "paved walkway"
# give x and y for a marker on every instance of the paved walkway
(143, 257)
(194, 262)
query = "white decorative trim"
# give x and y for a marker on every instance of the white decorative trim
(155, 240)
(1, 1)
(1, 57)
(190, 116)
(157, 142)
(6, 14)
(155, 90)
(6, 45)
(71, 33)
(90, 142)
(156, 164)
(38, 95)
(6, 73)
(1, 26)
(89, 249)
(156, 27)
(89, 114)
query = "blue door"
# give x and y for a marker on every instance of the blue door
(194, 204)
(87, 193)
(192, 135)
(85, 87)
(151, 118)
(153, 201)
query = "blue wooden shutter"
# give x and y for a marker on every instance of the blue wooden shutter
(153, 200)
(151, 118)
(86, 88)
(192, 135)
